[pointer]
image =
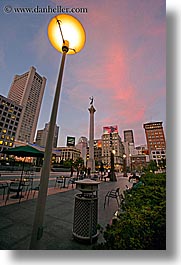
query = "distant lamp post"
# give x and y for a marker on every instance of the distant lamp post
(132, 164)
(124, 165)
(114, 152)
(67, 35)
(130, 161)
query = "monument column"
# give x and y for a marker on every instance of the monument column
(91, 161)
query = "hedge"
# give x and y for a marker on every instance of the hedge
(141, 223)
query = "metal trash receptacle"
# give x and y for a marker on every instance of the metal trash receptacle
(86, 211)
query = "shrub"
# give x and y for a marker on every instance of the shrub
(142, 220)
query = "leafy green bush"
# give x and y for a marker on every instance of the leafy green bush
(142, 218)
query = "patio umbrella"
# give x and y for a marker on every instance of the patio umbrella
(23, 151)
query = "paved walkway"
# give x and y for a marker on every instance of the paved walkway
(16, 219)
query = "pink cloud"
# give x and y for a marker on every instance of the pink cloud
(123, 73)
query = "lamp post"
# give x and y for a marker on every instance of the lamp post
(67, 35)
(124, 165)
(132, 164)
(130, 161)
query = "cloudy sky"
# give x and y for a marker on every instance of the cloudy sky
(123, 63)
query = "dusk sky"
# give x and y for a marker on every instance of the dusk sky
(122, 65)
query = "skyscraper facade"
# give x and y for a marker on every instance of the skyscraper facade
(154, 136)
(10, 113)
(41, 136)
(111, 142)
(128, 136)
(82, 146)
(27, 90)
(156, 142)
(98, 151)
(128, 145)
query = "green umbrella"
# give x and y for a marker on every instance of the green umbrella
(24, 151)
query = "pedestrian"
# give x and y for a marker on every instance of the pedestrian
(138, 183)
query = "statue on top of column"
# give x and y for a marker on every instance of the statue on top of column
(91, 100)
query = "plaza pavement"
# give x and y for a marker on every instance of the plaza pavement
(16, 219)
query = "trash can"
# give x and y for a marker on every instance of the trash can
(86, 211)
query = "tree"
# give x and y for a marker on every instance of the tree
(67, 163)
(162, 163)
(152, 166)
(79, 164)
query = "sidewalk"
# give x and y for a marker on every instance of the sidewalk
(16, 219)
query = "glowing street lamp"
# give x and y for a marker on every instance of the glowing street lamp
(64, 29)
(114, 152)
(130, 161)
(67, 35)
(124, 165)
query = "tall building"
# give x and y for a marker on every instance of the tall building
(27, 90)
(10, 113)
(82, 146)
(154, 136)
(129, 150)
(128, 136)
(156, 143)
(111, 141)
(41, 136)
(129, 147)
(98, 151)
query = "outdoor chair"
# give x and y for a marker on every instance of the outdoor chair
(59, 181)
(33, 189)
(27, 182)
(71, 181)
(114, 193)
(3, 186)
(15, 187)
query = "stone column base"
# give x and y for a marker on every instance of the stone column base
(91, 164)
